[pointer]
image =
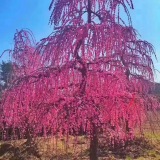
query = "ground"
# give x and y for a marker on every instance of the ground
(146, 146)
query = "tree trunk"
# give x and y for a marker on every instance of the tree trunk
(29, 137)
(94, 145)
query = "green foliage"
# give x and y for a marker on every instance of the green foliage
(157, 88)
(5, 73)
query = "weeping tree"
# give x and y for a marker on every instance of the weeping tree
(91, 75)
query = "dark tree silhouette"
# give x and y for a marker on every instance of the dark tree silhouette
(5, 73)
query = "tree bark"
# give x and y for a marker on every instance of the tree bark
(28, 137)
(89, 11)
(94, 145)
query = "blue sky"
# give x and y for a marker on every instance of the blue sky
(34, 15)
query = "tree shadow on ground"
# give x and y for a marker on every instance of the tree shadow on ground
(133, 149)
(24, 151)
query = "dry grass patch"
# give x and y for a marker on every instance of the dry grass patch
(146, 147)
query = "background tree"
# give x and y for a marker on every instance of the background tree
(93, 74)
(5, 73)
